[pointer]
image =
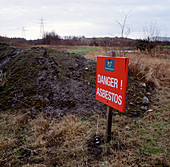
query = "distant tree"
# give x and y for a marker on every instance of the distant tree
(94, 42)
(151, 32)
(145, 45)
(150, 41)
(125, 29)
(51, 38)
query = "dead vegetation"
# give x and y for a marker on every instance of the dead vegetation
(144, 66)
(153, 70)
(74, 140)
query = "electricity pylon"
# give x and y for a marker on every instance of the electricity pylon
(41, 27)
(24, 32)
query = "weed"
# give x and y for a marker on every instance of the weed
(40, 141)
(40, 125)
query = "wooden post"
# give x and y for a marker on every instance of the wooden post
(108, 124)
(109, 114)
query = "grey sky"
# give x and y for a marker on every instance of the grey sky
(91, 18)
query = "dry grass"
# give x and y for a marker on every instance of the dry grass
(60, 139)
(148, 138)
(40, 125)
(44, 142)
(34, 165)
(93, 55)
(21, 45)
(155, 70)
(150, 69)
(51, 140)
(6, 143)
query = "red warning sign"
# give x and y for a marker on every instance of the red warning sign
(111, 81)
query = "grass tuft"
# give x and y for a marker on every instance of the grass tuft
(149, 69)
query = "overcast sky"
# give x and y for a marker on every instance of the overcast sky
(91, 18)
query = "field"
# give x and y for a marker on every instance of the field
(78, 141)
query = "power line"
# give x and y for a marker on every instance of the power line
(41, 27)
(24, 32)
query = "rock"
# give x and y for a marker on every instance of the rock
(143, 85)
(144, 108)
(134, 121)
(97, 142)
(127, 128)
(150, 110)
(145, 100)
(135, 113)
(52, 150)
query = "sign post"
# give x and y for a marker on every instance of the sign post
(111, 84)
(109, 114)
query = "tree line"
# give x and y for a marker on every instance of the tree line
(51, 38)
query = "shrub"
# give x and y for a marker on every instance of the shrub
(145, 45)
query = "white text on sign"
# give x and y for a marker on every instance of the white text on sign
(109, 81)
(113, 97)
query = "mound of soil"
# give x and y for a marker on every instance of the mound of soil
(59, 83)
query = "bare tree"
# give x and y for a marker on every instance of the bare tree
(150, 41)
(151, 31)
(125, 29)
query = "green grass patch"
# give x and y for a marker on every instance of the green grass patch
(83, 50)
(166, 47)
(160, 125)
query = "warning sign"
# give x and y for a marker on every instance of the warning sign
(111, 81)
